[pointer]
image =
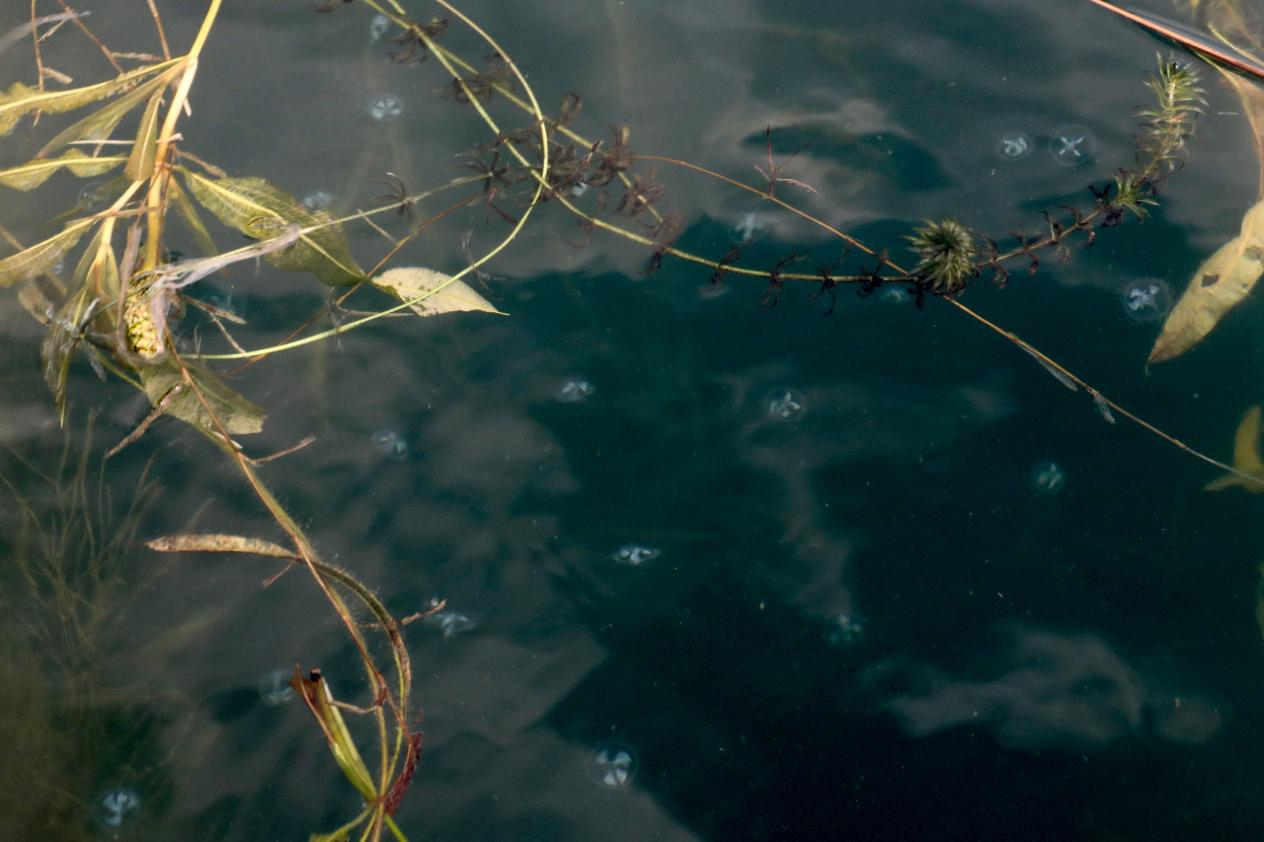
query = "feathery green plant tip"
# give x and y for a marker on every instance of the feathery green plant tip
(947, 250)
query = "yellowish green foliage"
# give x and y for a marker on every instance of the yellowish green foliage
(100, 124)
(140, 165)
(1223, 280)
(39, 257)
(257, 208)
(32, 174)
(22, 99)
(218, 543)
(1246, 456)
(164, 384)
(432, 292)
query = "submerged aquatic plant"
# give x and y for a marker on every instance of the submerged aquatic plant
(122, 304)
(948, 255)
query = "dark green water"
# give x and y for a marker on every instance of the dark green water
(862, 622)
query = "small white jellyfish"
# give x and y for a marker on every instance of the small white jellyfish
(785, 404)
(450, 623)
(1047, 478)
(385, 108)
(579, 189)
(634, 555)
(1073, 145)
(1146, 300)
(92, 194)
(116, 804)
(318, 200)
(750, 226)
(613, 764)
(893, 295)
(1014, 146)
(575, 390)
(844, 630)
(390, 444)
(378, 27)
(712, 290)
(275, 689)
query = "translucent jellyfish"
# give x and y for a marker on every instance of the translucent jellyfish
(575, 390)
(1014, 146)
(385, 108)
(115, 805)
(613, 764)
(1073, 145)
(710, 290)
(390, 444)
(785, 404)
(894, 295)
(1146, 300)
(318, 200)
(1047, 478)
(378, 27)
(275, 689)
(579, 189)
(450, 623)
(844, 630)
(634, 555)
(749, 227)
(92, 194)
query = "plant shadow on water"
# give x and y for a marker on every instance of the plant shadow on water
(687, 495)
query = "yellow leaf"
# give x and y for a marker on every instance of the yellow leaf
(140, 165)
(431, 293)
(100, 124)
(257, 208)
(32, 174)
(1223, 280)
(237, 414)
(1246, 456)
(39, 257)
(22, 99)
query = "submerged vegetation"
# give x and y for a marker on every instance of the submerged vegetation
(124, 299)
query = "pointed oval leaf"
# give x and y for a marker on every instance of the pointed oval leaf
(39, 257)
(189, 213)
(258, 209)
(64, 330)
(140, 165)
(238, 415)
(32, 174)
(1223, 280)
(218, 543)
(430, 293)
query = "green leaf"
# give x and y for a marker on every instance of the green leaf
(63, 334)
(431, 293)
(189, 213)
(238, 415)
(100, 124)
(22, 99)
(259, 209)
(32, 174)
(140, 165)
(315, 692)
(39, 257)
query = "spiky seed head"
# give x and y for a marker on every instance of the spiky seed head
(142, 334)
(947, 250)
